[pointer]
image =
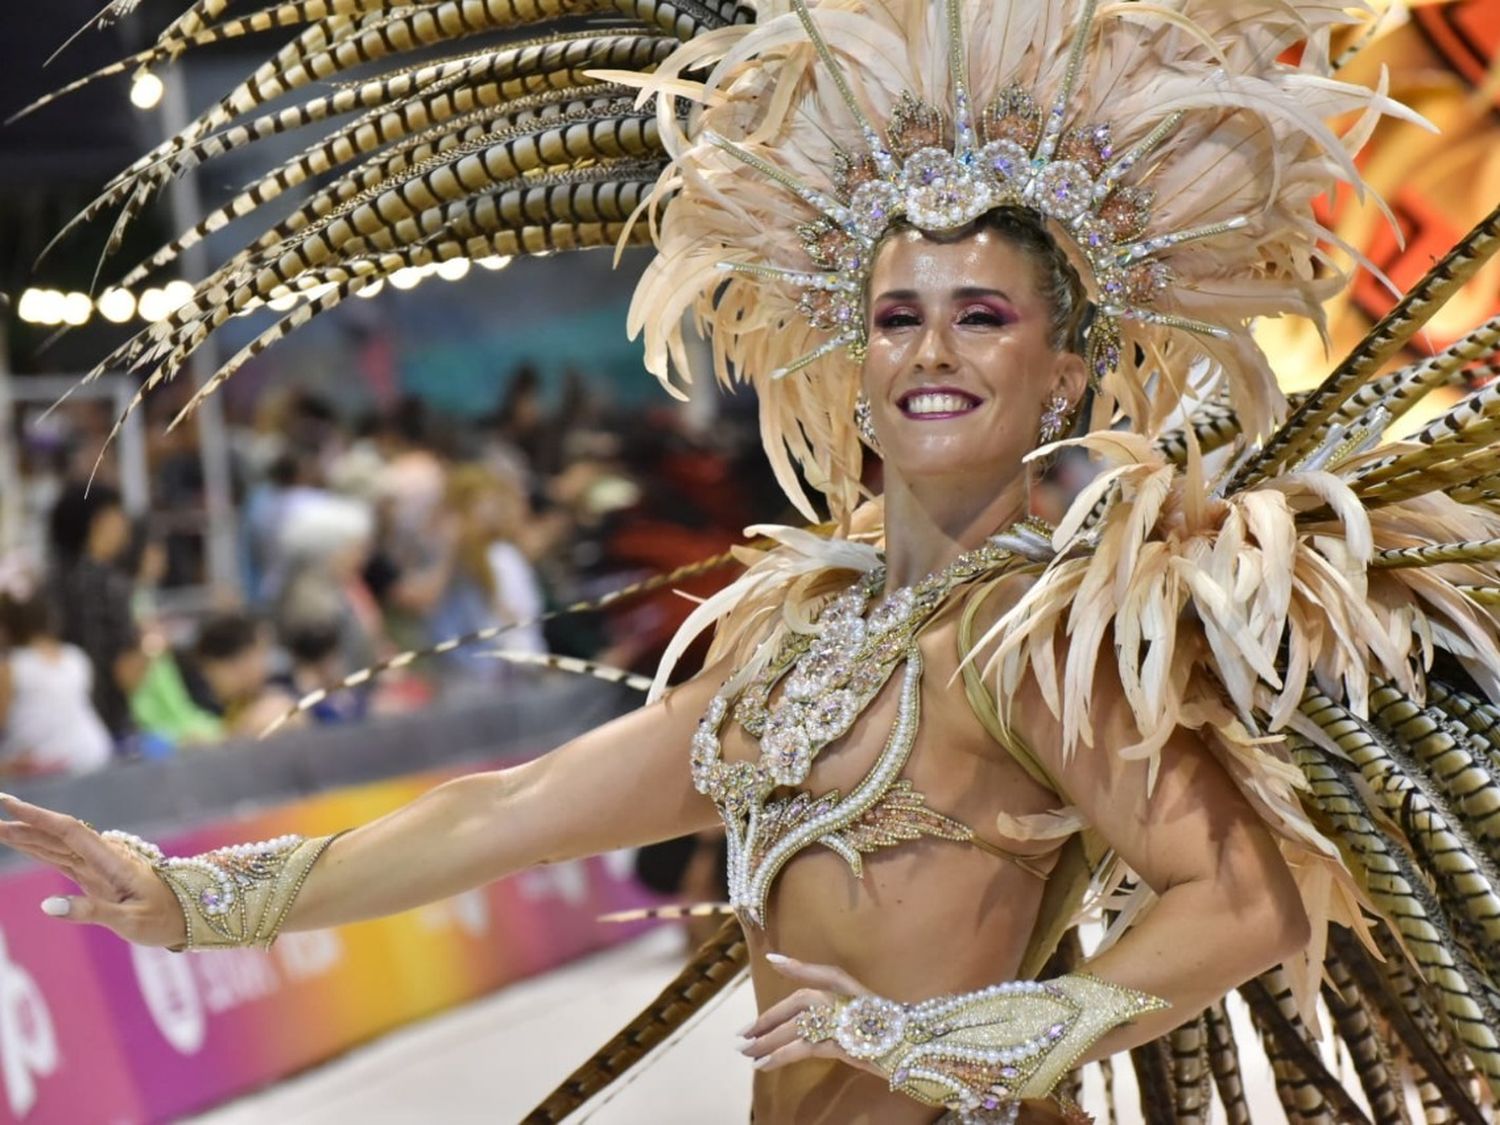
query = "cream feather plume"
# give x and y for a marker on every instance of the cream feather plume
(1251, 142)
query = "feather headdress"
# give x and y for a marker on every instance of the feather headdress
(1174, 151)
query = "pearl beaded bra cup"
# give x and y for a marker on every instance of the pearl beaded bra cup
(832, 674)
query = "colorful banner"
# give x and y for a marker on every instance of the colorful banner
(95, 1030)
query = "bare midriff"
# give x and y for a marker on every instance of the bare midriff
(927, 917)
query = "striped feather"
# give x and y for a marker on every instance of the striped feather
(1468, 551)
(1471, 424)
(1465, 876)
(716, 964)
(1216, 424)
(591, 668)
(1381, 343)
(1153, 1080)
(1399, 392)
(1224, 1065)
(523, 82)
(409, 102)
(425, 126)
(1309, 1092)
(593, 131)
(1421, 1000)
(1192, 1081)
(1416, 1025)
(1479, 717)
(1355, 1024)
(670, 913)
(1402, 896)
(1213, 426)
(1467, 781)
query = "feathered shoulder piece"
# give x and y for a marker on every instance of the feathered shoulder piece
(788, 577)
(1321, 610)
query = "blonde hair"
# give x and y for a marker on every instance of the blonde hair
(467, 487)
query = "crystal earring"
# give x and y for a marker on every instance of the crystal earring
(1054, 420)
(864, 423)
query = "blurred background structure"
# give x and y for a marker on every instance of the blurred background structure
(467, 447)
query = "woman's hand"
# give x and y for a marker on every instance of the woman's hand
(773, 1040)
(120, 891)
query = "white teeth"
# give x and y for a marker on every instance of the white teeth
(938, 404)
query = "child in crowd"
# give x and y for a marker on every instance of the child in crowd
(47, 722)
(318, 665)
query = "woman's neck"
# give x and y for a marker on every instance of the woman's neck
(927, 528)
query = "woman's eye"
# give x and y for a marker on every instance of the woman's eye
(897, 318)
(983, 316)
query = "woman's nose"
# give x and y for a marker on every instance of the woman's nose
(934, 348)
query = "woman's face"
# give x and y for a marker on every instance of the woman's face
(960, 366)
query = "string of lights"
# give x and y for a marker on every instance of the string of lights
(53, 307)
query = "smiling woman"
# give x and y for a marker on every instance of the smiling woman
(1246, 705)
(973, 337)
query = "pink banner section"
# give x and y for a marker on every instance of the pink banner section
(93, 1030)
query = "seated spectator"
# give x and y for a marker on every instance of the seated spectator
(318, 665)
(47, 720)
(228, 672)
(219, 687)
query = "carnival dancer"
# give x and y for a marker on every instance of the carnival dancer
(1242, 699)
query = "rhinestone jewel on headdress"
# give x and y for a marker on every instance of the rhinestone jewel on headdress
(1014, 155)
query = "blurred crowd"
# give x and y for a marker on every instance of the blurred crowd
(358, 539)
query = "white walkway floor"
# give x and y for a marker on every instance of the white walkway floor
(492, 1060)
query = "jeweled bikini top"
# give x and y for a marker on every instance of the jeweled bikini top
(835, 672)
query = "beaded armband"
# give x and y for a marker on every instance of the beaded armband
(234, 896)
(986, 1050)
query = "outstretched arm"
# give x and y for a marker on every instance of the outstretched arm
(625, 783)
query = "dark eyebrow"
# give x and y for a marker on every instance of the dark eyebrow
(967, 293)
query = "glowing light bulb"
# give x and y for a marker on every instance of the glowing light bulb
(177, 293)
(146, 90)
(116, 305)
(453, 269)
(76, 308)
(152, 305)
(41, 306)
(29, 307)
(406, 277)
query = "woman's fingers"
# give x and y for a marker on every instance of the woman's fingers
(121, 891)
(796, 1051)
(89, 911)
(772, 1040)
(72, 836)
(783, 1010)
(38, 845)
(826, 977)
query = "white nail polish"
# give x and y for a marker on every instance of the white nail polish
(57, 906)
(744, 1032)
(778, 959)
